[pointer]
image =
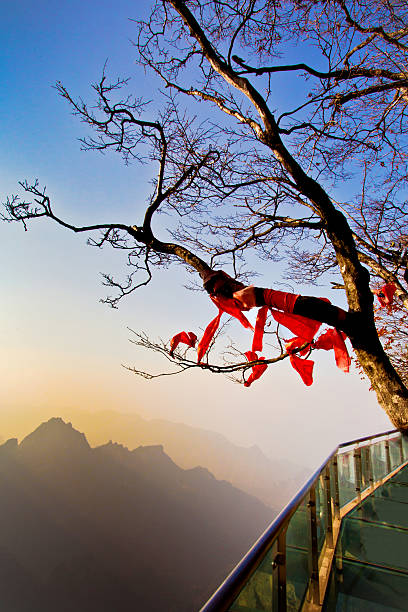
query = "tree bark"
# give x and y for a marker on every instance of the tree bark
(391, 392)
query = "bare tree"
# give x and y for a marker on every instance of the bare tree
(251, 172)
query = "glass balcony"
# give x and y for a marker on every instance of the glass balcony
(340, 544)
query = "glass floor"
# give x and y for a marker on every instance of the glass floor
(370, 572)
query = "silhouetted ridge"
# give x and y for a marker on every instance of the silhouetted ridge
(113, 448)
(155, 457)
(203, 472)
(9, 447)
(55, 436)
(96, 530)
(153, 450)
(272, 481)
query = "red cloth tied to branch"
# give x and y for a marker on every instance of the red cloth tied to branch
(188, 338)
(257, 370)
(334, 339)
(259, 329)
(301, 326)
(232, 307)
(305, 330)
(228, 305)
(297, 343)
(280, 299)
(208, 336)
(386, 295)
(304, 367)
(299, 346)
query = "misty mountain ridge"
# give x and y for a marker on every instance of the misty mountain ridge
(248, 468)
(108, 528)
(55, 436)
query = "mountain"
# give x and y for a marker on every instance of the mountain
(249, 469)
(106, 528)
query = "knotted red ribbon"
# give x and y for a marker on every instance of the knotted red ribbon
(334, 339)
(304, 367)
(305, 330)
(297, 343)
(188, 338)
(301, 326)
(386, 295)
(233, 307)
(257, 370)
(228, 305)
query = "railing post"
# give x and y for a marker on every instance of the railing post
(388, 456)
(357, 469)
(329, 535)
(401, 449)
(314, 550)
(336, 487)
(370, 467)
(278, 602)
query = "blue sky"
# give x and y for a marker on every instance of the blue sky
(61, 347)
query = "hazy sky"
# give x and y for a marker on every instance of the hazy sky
(61, 347)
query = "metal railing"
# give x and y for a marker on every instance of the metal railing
(287, 569)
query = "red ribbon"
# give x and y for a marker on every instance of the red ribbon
(257, 370)
(259, 328)
(304, 367)
(228, 305)
(208, 336)
(334, 339)
(296, 343)
(186, 338)
(305, 330)
(386, 295)
(301, 326)
(232, 307)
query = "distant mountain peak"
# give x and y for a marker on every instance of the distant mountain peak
(9, 446)
(113, 449)
(152, 449)
(202, 472)
(55, 435)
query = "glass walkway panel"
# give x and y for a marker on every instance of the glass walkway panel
(340, 544)
(370, 572)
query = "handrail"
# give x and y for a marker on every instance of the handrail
(231, 586)
(380, 435)
(238, 578)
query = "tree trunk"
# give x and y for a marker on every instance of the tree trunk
(391, 392)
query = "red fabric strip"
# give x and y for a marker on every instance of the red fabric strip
(186, 338)
(259, 328)
(295, 343)
(257, 370)
(208, 336)
(333, 339)
(233, 308)
(300, 326)
(280, 299)
(386, 294)
(304, 367)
